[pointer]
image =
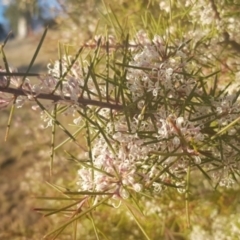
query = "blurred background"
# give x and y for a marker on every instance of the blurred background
(24, 157)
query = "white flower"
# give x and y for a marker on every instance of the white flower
(157, 187)
(164, 6)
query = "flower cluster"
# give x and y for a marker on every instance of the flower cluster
(167, 123)
(171, 129)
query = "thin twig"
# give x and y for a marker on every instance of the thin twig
(58, 98)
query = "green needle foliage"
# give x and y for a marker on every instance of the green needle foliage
(159, 111)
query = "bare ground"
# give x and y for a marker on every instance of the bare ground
(19, 155)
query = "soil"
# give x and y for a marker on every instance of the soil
(19, 155)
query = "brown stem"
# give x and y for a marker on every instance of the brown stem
(58, 98)
(214, 8)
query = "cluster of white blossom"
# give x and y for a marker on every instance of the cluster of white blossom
(69, 79)
(202, 11)
(155, 146)
(168, 126)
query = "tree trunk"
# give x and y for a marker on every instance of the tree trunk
(22, 27)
